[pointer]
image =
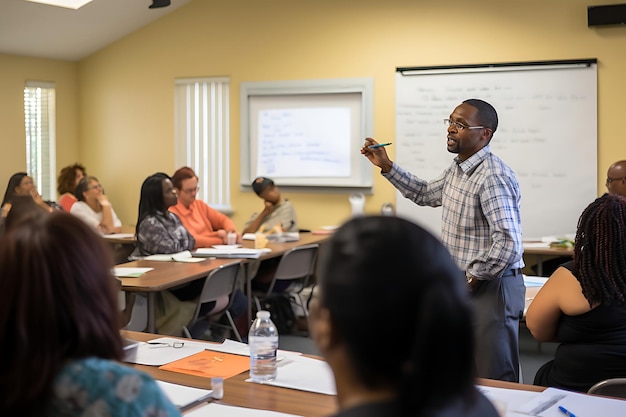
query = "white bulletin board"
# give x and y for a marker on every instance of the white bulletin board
(307, 133)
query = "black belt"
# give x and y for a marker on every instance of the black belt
(512, 271)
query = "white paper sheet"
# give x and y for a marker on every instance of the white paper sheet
(220, 410)
(547, 403)
(182, 396)
(507, 400)
(305, 374)
(130, 272)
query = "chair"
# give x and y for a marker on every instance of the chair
(614, 387)
(298, 266)
(221, 282)
(137, 309)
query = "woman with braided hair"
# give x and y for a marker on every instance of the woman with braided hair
(583, 303)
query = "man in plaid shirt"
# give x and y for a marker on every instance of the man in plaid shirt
(481, 227)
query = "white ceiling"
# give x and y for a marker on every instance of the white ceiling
(42, 31)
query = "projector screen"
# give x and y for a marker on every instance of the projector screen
(306, 133)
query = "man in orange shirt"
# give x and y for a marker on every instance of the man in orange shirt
(207, 225)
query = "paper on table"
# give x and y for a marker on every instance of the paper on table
(238, 348)
(534, 281)
(529, 245)
(210, 364)
(130, 272)
(547, 403)
(184, 256)
(220, 410)
(305, 374)
(231, 253)
(182, 396)
(157, 355)
(119, 236)
(512, 398)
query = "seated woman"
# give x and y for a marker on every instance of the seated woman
(94, 208)
(20, 184)
(583, 303)
(68, 179)
(277, 212)
(379, 274)
(207, 225)
(160, 231)
(60, 327)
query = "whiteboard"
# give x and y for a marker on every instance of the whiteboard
(547, 134)
(307, 133)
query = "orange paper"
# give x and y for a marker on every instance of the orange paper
(208, 364)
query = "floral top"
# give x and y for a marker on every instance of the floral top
(163, 233)
(94, 387)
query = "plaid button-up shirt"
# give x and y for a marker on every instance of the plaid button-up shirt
(480, 198)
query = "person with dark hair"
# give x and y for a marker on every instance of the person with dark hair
(60, 326)
(207, 225)
(20, 184)
(277, 212)
(583, 303)
(616, 178)
(158, 230)
(68, 179)
(481, 227)
(431, 373)
(94, 208)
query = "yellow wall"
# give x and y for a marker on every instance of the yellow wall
(14, 72)
(126, 90)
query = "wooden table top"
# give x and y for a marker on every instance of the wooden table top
(245, 394)
(170, 274)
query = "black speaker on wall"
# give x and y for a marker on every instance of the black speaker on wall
(612, 14)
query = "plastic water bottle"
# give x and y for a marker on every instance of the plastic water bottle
(263, 342)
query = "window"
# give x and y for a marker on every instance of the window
(39, 122)
(202, 136)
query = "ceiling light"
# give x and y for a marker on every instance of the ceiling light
(68, 4)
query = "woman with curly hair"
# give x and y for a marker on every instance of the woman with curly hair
(583, 303)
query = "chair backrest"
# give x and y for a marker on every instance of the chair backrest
(138, 314)
(220, 282)
(614, 387)
(297, 264)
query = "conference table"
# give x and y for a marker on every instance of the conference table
(540, 251)
(237, 392)
(166, 275)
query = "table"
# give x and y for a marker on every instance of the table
(541, 251)
(166, 275)
(170, 274)
(237, 392)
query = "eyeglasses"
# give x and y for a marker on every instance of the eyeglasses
(175, 345)
(610, 180)
(96, 187)
(460, 126)
(191, 190)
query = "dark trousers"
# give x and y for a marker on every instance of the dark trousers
(498, 307)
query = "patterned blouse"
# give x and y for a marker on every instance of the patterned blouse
(94, 387)
(163, 233)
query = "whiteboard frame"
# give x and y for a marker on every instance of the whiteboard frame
(363, 86)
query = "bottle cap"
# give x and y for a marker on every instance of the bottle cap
(262, 314)
(217, 385)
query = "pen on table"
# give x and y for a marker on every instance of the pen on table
(380, 145)
(566, 412)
